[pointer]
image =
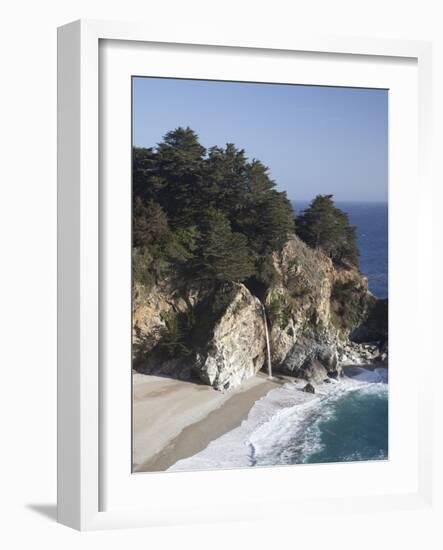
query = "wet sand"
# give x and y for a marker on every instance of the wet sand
(173, 419)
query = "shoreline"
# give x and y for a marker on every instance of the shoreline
(289, 426)
(174, 419)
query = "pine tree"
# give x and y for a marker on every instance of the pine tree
(180, 162)
(325, 226)
(223, 254)
(277, 219)
(215, 213)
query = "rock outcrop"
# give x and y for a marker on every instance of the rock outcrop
(320, 317)
(213, 333)
(310, 324)
(309, 388)
(236, 348)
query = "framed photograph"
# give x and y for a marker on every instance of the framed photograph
(242, 235)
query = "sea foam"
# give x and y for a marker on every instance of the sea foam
(284, 426)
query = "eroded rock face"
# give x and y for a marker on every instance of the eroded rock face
(236, 349)
(215, 331)
(299, 306)
(312, 360)
(148, 317)
(311, 313)
(220, 334)
(151, 310)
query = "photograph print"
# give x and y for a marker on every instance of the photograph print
(259, 274)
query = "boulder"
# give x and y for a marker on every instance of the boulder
(313, 370)
(309, 388)
(236, 349)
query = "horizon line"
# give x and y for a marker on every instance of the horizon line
(378, 201)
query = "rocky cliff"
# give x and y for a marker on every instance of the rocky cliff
(321, 316)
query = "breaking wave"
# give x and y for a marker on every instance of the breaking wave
(342, 421)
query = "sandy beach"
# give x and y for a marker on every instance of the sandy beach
(174, 419)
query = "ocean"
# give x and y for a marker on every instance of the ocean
(343, 421)
(371, 221)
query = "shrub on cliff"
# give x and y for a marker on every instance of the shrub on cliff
(350, 303)
(174, 340)
(325, 226)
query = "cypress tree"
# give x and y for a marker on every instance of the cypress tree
(325, 226)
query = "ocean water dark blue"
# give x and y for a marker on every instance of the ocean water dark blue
(371, 221)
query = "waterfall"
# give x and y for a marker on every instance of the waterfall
(268, 347)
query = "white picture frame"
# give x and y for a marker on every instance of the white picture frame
(81, 412)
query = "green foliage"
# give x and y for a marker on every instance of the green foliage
(181, 246)
(142, 271)
(276, 219)
(211, 214)
(275, 309)
(150, 223)
(174, 340)
(265, 270)
(214, 214)
(223, 254)
(185, 332)
(325, 226)
(350, 303)
(297, 283)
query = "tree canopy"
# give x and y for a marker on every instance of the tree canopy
(216, 214)
(325, 226)
(212, 212)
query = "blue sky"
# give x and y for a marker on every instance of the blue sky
(313, 139)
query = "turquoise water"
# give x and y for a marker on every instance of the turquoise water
(356, 430)
(342, 422)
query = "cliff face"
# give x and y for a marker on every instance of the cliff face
(314, 307)
(213, 332)
(235, 348)
(216, 332)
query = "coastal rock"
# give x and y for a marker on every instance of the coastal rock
(215, 334)
(314, 370)
(148, 317)
(236, 350)
(375, 326)
(320, 318)
(312, 360)
(315, 307)
(298, 303)
(152, 308)
(309, 388)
